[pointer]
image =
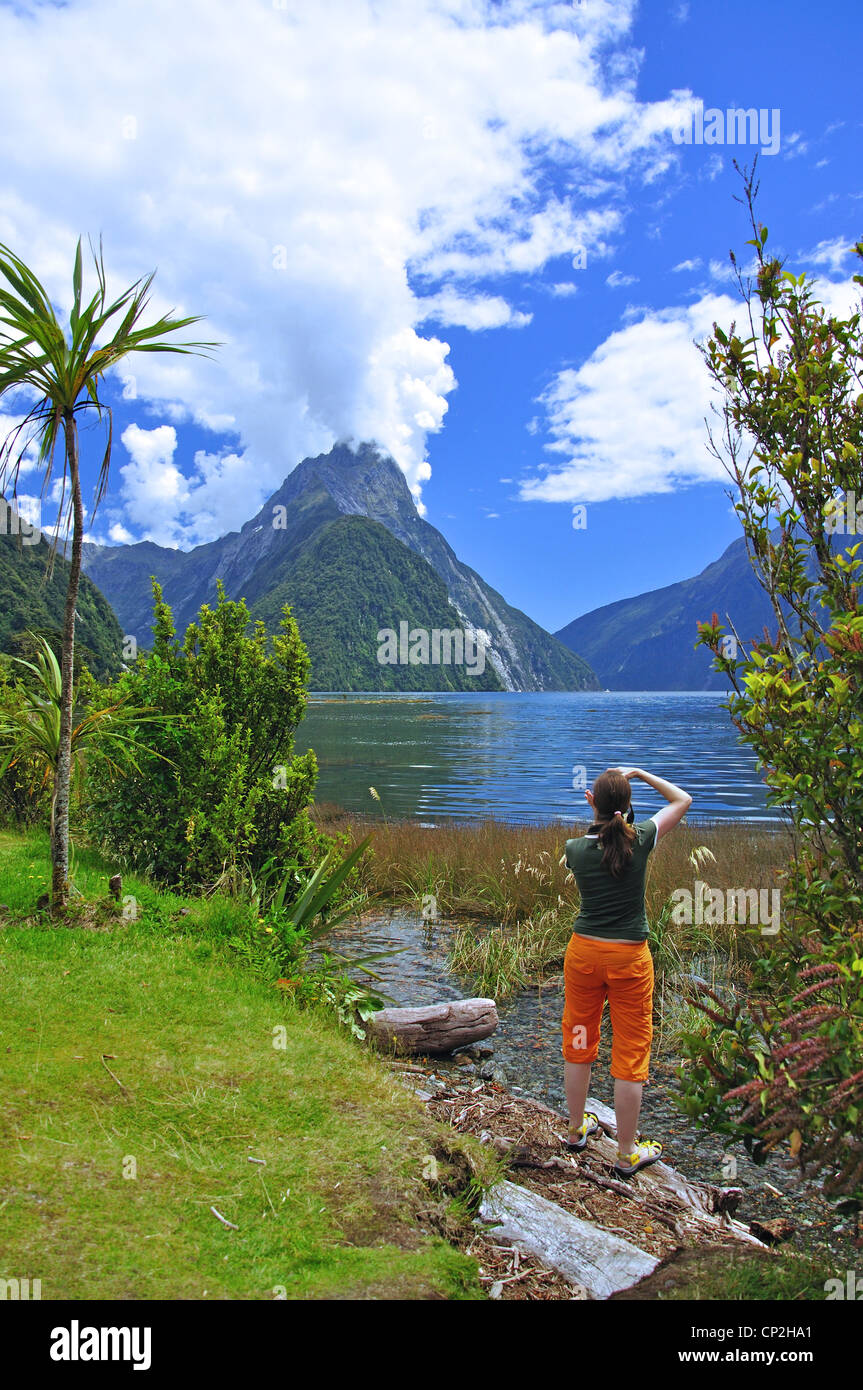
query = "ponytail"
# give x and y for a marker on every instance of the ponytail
(616, 838)
(612, 799)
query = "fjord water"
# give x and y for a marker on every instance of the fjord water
(464, 757)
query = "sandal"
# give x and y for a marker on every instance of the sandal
(589, 1126)
(650, 1151)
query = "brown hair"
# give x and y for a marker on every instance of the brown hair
(612, 792)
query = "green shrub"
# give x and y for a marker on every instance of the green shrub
(217, 790)
(25, 794)
(785, 1066)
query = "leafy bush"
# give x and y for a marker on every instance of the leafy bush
(30, 739)
(217, 791)
(25, 796)
(279, 941)
(787, 1065)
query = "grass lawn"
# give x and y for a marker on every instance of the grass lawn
(142, 1069)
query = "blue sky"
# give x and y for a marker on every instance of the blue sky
(462, 228)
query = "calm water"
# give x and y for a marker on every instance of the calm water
(464, 757)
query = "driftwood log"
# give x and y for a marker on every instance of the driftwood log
(436, 1027)
(601, 1260)
(597, 1261)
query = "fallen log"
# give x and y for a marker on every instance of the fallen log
(436, 1027)
(694, 1211)
(595, 1259)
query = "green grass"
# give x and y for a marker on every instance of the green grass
(106, 1182)
(503, 960)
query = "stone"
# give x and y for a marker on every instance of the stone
(773, 1232)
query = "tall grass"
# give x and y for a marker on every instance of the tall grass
(521, 901)
(502, 960)
(508, 873)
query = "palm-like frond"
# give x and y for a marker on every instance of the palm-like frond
(66, 371)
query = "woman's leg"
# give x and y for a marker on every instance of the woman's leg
(630, 1002)
(584, 1000)
(627, 1107)
(576, 1076)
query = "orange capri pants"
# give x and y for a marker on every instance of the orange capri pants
(622, 972)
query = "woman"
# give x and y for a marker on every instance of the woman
(608, 956)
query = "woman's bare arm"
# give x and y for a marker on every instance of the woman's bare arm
(678, 800)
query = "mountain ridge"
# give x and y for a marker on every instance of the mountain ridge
(365, 483)
(647, 642)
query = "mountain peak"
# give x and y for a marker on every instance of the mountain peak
(362, 481)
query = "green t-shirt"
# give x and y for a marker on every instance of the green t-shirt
(611, 907)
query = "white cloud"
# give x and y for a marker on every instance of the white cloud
(839, 297)
(562, 289)
(722, 270)
(154, 491)
(687, 265)
(630, 420)
(794, 145)
(833, 253)
(711, 168)
(304, 174)
(477, 312)
(616, 280)
(13, 440)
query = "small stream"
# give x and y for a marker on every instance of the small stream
(527, 1044)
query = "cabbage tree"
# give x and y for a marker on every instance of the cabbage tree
(63, 367)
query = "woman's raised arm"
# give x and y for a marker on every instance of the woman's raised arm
(678, 800)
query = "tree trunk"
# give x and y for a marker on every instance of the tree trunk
(63, 770)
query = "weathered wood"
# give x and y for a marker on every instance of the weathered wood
(436, 1027)
(587, 1255)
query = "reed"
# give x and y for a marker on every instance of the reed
(502, 960)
